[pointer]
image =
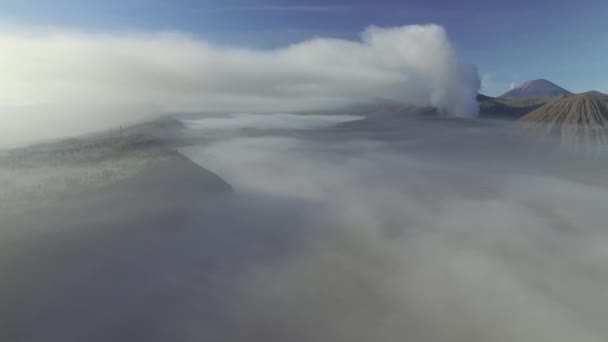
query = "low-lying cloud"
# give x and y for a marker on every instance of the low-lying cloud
(434, 230)
(62, 82)
(235, 122)
(411, 239)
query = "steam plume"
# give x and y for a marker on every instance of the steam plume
(65, 82)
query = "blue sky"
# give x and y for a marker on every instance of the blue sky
(510, 41)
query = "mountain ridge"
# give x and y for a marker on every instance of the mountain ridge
(573, 119)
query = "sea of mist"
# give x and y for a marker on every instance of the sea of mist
(384, 229)
(448, 231)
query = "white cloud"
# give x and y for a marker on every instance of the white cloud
(60, 82)
(486, 80)
(421, 240)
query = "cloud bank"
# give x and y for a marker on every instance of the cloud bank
(422, 241)
(435, 230)
(65, 82)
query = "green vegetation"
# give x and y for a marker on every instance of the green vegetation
(498, 108)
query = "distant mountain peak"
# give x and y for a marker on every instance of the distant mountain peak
(535, 88)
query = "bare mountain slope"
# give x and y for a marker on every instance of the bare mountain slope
(580, 110)
(573, 118)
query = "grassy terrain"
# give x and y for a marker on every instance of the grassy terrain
(499, 108)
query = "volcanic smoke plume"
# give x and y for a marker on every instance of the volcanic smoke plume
(67, 82)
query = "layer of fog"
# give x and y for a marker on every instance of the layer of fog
(236, 122)
(62, 82)
(434, 230)
(417, 238)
